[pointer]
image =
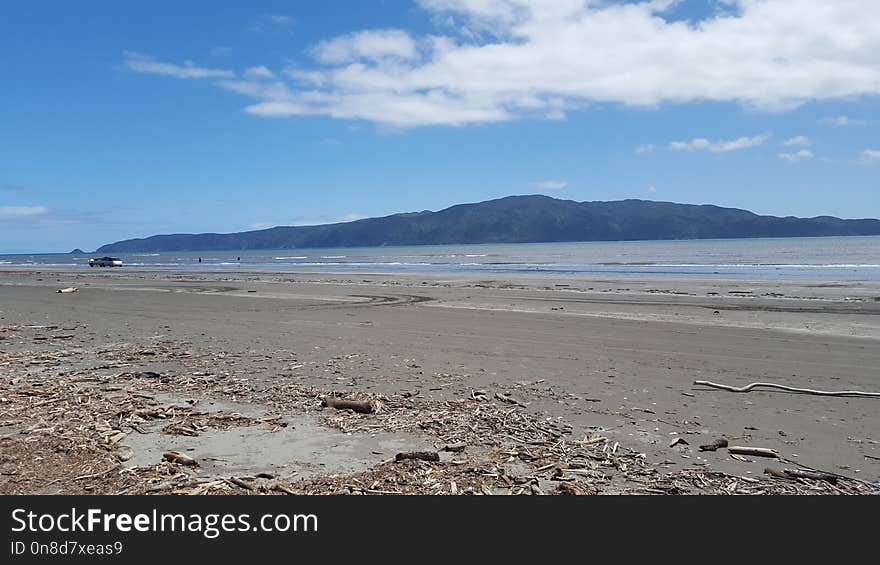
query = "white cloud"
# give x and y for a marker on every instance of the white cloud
(801, 155)
(652, 189)
(720, 146)
(647, 148)
(551, 184)
(258, 72)
(19, 212)
(500, 60)
(374, 45)
(145, 64)
(871, 155)
(800, 140)
(840, 121)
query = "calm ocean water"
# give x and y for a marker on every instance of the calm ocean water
(826, 258)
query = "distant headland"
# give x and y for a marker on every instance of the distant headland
(516, 219)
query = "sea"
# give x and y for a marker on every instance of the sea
(816, 258)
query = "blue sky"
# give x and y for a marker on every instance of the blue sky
(124, 119)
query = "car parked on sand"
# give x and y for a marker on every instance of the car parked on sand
(105, 262)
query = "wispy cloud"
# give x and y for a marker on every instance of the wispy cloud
(871, 155)
(652, 189)
(840, 121)
(20, 212)
(798, 141)
(258, 72)
(551, 184)
(801, 155)
(141, 63)
(720, 146)
(500, 60)
(375, 45)
(647, 148)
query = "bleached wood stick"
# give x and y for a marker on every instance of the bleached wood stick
(180, 458)
(755, 451)
(361, 406)
(751, 386)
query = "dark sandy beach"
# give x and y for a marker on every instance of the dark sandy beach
(596, 359)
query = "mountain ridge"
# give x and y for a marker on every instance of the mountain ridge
(517, 219)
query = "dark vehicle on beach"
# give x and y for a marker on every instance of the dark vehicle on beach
(105, 262)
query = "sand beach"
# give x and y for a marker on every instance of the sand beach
(523, 385)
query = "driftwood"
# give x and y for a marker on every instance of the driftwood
(568, 489)
(141, 375)
(816, 476)
(718, 443)
(749, 387)
(281, 487)
(754, 451)
(95, 408)
(422, 455)
(455, 447)
(68, 289)
(592, 440)
(177, 457)
(507, 398)
(775, 473)
(361, 406)
(798, 474)
(241, 482)
(96, 475)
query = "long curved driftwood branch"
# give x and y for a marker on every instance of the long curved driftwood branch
(751, 386)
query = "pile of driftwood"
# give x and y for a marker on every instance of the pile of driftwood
(66, 412)
(489, 448)
(64, 425)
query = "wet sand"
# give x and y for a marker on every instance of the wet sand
(616, 357)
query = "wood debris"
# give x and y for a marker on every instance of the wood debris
(715, 445)
(754, 451)
(360, 406)
(801, 474)
(421, 455)
(752, 386)
(72, 406)
(180, 458)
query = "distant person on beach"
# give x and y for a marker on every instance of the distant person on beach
(200, 259)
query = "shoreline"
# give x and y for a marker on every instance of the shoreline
(844, 308)
(831, 274)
